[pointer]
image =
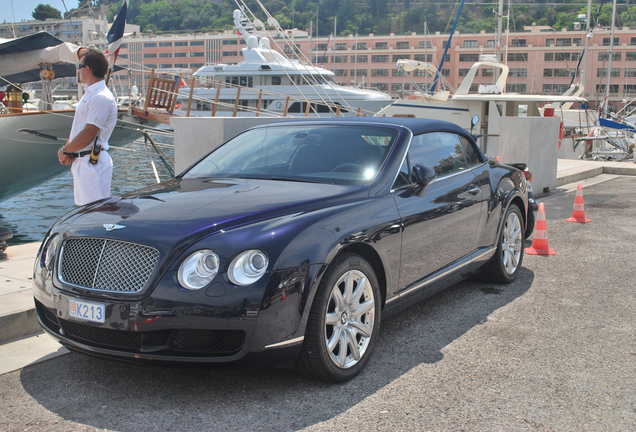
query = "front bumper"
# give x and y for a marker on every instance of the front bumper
(261, 327)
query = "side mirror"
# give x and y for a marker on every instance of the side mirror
(473, 122)
(423, 175)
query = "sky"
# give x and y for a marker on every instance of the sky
(22, 9)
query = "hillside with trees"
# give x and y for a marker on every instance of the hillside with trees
(367, 16)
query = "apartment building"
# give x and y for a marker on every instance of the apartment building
(541, 60)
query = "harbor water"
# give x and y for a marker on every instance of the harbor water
(31, 214)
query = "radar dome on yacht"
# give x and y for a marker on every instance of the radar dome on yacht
(265, 43)
(252, 42)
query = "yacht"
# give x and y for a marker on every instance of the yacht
(269, 83)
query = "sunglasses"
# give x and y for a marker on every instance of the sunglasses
(80, 66)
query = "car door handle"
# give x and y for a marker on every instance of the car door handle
(473, 190)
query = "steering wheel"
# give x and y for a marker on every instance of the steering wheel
(348, 167)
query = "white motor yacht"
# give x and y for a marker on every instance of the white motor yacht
(270, 83)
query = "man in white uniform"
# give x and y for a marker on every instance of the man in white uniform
(94, 121)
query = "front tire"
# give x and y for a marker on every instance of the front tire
(343, 323)
(505, 264)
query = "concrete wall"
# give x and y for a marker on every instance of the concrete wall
(534, 141)
(194, 137)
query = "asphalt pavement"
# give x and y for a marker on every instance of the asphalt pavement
(556, 350)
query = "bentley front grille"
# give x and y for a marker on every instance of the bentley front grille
(106, 265)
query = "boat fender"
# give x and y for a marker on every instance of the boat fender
(560, 134)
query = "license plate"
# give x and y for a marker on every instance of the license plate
(86, 311)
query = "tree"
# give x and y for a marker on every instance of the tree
(42, 12)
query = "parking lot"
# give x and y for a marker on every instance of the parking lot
(556, 350)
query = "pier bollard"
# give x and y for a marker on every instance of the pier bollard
(5, 234)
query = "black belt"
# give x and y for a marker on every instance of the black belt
(79, 154)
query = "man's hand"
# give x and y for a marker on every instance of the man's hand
(63, 158)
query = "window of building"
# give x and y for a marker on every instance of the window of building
(322, 59)
(399, 87)
(361, 45)
(420, 73)
(604, 56)
(561, 72)
(562, 56)
(340, 72)
(196, 43)
(519, 43)
(564, 42)
(549, 41)
(181, 65)
(630, 56)
(358, 72)
(548, 56)
(165, 66)
(339, 59)
(181, 54)
(181, 43)
(321, 46)
(425, 44)
(547, 88)
(423, 57)
(150, 44)
(577, 41)
(341, 46)
(124, 56)
(379, 72)
(600, 88)
(630, 89)
(360, 59)
(547, 72)
(230, 42)
(575, 56)
(379, 59)
(602, 73)
(165, 55)
(517, 57)
(381, 45)
(397, 57)
(150, 55)
(516, 88)
(398, 72)
(606, 41)
(473, 57)
(632, 41)
(402, 45)
(470, 44)
(225, 54)
(463, 71)
(630, 72)
(446, 72)
(165, 44)
(381, 86)
(488, 72)
(518, 72)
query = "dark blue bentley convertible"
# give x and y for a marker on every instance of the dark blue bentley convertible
(283, 247)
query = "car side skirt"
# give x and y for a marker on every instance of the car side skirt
(439, 280)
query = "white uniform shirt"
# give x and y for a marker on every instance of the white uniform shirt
(97, 107)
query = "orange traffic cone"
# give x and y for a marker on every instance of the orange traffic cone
(578, 214)
(540, 236)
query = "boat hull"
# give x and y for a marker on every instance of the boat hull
(29, 144)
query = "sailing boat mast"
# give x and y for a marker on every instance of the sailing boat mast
(588, 29)
(611, 54)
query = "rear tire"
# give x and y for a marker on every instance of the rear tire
(504, 266)
(343, 323)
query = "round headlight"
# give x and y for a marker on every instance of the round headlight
(247, 267)
(198, 269)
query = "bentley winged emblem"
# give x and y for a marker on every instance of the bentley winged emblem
(110, 227)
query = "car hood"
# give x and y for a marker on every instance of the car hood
(197, 207)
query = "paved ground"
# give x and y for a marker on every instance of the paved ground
(556, 350)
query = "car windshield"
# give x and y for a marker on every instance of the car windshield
(335, 154)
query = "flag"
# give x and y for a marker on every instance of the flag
(116, 34)
(179, 82)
